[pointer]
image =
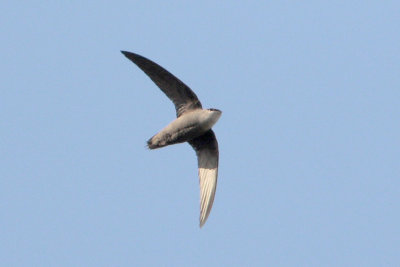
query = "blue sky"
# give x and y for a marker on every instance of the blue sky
(309, 135)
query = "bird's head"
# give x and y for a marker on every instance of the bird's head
(215, 113)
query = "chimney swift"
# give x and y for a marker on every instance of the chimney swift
(193, 125)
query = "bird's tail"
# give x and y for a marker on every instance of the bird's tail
(154, 143)
(151, 144)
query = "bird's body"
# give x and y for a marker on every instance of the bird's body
(193, 125)
(186, 127)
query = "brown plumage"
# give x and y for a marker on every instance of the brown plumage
(193, 125)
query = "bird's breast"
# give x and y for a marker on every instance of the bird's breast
(203, 118)
(188, 126)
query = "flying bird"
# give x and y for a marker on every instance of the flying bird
(193, 125)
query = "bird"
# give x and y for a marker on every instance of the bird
(193, 125)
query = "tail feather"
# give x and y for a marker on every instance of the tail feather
(154, 143)
(151, 144)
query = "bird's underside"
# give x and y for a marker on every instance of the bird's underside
(185, 128)
(193, 125)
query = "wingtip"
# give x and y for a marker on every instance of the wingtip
(202, 220)
(131, 56)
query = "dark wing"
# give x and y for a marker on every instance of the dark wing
(183, 97)
(206, 147)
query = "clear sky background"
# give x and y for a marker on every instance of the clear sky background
(309, 136)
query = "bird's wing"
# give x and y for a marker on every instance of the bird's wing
(206, 147)
(181, 95)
